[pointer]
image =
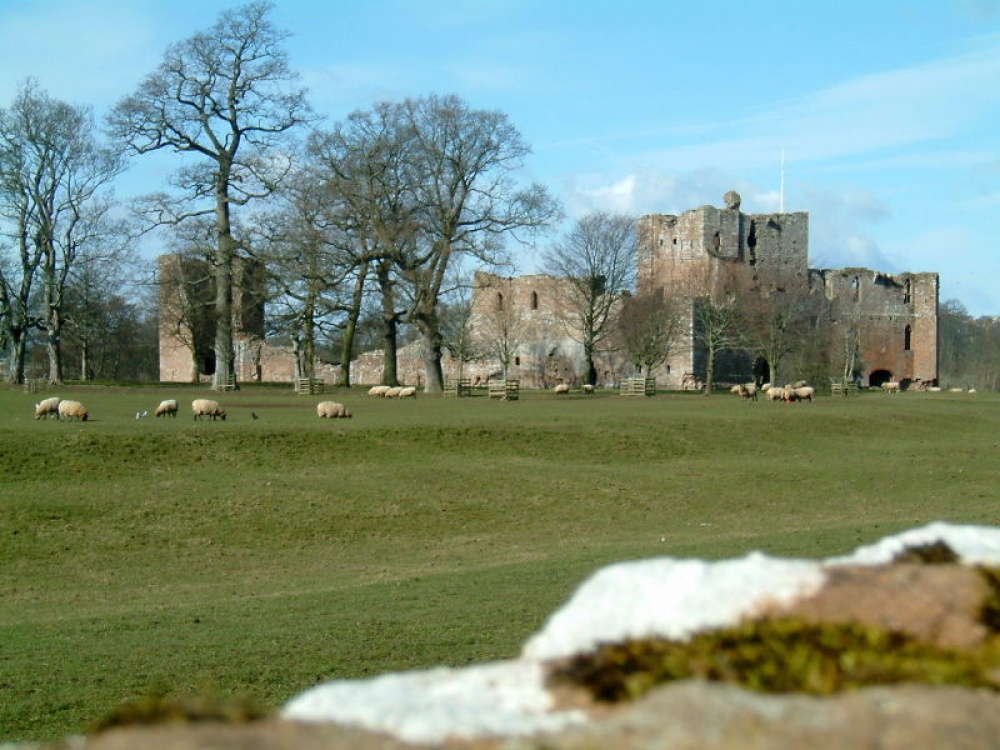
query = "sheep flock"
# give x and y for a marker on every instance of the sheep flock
(64, 409)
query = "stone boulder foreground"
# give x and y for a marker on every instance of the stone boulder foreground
(894, 646)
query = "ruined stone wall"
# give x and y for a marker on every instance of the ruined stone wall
(710, 250)
(704, 251)
(896, 317)
(538, 316)
(187, 328)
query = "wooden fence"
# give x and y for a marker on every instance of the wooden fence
(638, 387)
(307, 386)
(457, 388)
(508, 390)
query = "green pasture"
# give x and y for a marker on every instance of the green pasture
(258, 557)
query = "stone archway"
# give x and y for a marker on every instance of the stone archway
(877, 377)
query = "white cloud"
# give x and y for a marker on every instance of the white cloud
(840, 234)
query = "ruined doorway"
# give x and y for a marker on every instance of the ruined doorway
(877, 377)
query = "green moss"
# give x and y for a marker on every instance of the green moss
(777, 656)
(933, 553)
(158, 708)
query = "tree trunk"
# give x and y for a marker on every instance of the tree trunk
(390, 326)
(53, 337)
(390, 343)
(15, 374)
(351, 328)
(588, 356)
(428, 328)
(309, 341)
(225, 252)
(84, 359)
(432, 361)
(710, 372)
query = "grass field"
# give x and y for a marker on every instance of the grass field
(257, 558)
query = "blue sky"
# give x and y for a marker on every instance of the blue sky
(887, 112)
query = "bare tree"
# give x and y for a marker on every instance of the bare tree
(51, 173)
(775, 310)
(597, 260)
(651, 327)
(309, 261)
(222, 97)
(468, 202)
(99, 287)
(458, 332)
(501, 329)
(364, 165)
(718, 327)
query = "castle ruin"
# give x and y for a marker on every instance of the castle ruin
(867, 325)
(891, 320)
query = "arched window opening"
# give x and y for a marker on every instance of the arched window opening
(499, 301)
(907, 336)
(534, 300)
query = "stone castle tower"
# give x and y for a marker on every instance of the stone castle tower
(709, 251)
(187, 319)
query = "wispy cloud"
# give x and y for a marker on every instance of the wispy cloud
(858, 118)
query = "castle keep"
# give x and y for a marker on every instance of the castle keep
(709, 251)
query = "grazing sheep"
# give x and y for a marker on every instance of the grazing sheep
(392, 392)
(73, 409)
(47, 407)
(167, 408)
(746, 391)
(890, 386)
(587, 388)
(561, 388)
(407, 392)
(804, 393)
(332, 410)
(203, 407)
(774, 393)
(799, 384)
(378, 390)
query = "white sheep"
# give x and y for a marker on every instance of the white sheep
(746, 391)
(378, 390)
(890, 386)
(561, 388)
(587, 388)
(332, 410)
(167, 408)
(46, 407)
(774, 393)
(203, 407)
(73, 409)
(392, 392)
(407, 392)
(804, 393)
